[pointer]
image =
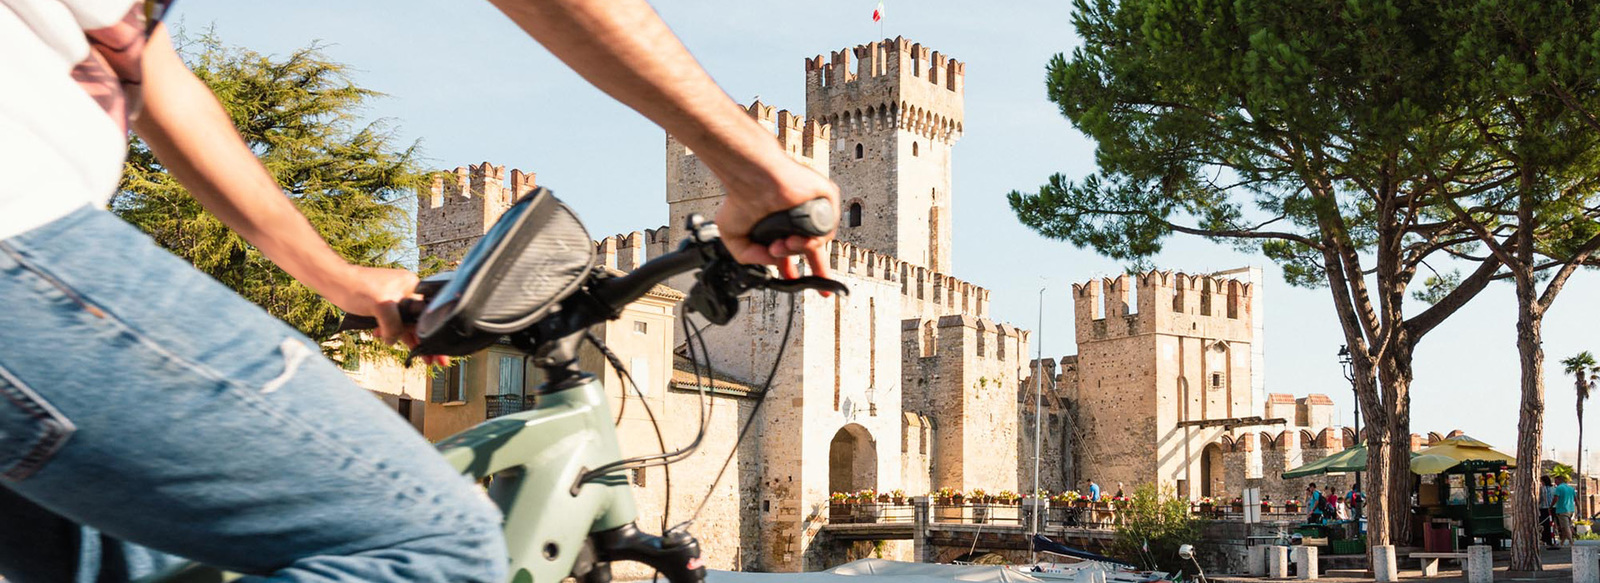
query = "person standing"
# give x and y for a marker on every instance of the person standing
(1094, 491)
(1314, 502)
(1119, 493)
(1547, 515)
(1564, 502)
(1356, 501)
(1336, 508)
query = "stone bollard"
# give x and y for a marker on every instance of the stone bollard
(1585, 562)
(1480, 564)
(1383, 564)
(1256, 560)
(1278, 562)
(1306, 558)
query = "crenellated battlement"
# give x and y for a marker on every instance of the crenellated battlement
(460, 205)
(893, 84)
(931, 291)
(1163, 302)
(805, 140)
(483, 181)
(894, 58)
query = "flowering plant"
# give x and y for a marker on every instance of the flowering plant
(866, 495)
(1007, 496)
(839, 497)
(898, 493)
(1207, 501)
(1238, 501)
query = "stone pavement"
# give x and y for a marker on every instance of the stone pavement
(1557, 565)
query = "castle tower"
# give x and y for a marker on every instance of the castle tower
(462, 205)
(1181, 351)
(692, 188)
(895, 108)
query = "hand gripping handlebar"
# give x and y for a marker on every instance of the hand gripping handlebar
(718, 289)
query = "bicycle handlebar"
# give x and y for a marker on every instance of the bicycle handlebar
(703, 248)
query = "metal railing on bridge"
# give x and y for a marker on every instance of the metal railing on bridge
(1074, 515)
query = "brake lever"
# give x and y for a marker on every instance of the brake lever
(801, 284)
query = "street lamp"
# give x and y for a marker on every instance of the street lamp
(1350, 375)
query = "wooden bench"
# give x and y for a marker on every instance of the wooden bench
(1430, 561)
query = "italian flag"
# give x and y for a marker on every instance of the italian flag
(877, 13)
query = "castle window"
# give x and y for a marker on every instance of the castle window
(1216, 380)
(913, 148)
(641, 327)
(855, 212)
(860, 151)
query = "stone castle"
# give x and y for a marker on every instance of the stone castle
(906, 383)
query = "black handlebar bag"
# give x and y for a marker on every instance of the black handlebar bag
(534, 256)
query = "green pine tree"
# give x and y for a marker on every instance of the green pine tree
(301, 115)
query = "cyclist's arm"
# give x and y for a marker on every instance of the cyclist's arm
(193, 137)
(624, 49)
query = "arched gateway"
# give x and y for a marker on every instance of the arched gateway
(852, 460)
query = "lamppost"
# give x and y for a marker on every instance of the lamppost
(1350, 375)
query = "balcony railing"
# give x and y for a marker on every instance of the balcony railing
(497, 405)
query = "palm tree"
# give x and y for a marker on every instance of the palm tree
(1584, 375)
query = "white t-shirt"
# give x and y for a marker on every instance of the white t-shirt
(59, 148)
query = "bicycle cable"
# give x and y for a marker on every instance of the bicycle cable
(616, 364)
(652, 460)
(761, 398)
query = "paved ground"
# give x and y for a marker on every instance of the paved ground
(1557, 564)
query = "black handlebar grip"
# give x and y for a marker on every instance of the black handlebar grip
(410, 310)
(814, 218)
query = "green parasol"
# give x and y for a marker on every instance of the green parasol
(1353, 459)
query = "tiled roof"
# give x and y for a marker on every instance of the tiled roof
(683, 378)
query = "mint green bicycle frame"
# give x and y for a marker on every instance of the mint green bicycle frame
(565, 434)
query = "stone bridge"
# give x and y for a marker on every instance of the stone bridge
(941, 533)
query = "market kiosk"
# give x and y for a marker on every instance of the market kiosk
(1465, 504)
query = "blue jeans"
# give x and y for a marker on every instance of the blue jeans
(142, 398)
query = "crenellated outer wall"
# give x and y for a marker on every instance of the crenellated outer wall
(460, 205)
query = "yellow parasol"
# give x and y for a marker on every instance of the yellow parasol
(1452, 451)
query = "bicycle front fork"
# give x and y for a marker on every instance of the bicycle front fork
(675, 554)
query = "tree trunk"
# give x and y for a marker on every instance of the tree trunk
(1530, 429)
(1376, 436)
(1395, 376)
(1583, 509)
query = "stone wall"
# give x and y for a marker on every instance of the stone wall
(1284, 449)
(1055, 452)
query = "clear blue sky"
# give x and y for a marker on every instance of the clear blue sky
(468, 84)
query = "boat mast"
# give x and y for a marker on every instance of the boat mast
(1038, 421)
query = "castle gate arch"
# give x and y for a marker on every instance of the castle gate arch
(852, 460)
(1211, 471)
